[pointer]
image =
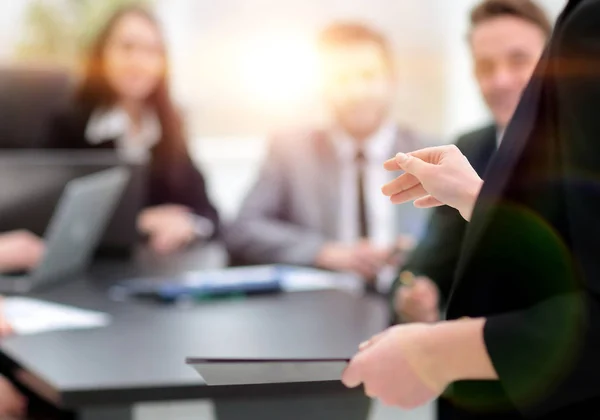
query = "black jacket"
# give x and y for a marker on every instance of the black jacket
(530, 261)
(175, 183)
(438, 253)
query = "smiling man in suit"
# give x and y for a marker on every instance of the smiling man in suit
(316, 201)
(522, 335)
(506, 40)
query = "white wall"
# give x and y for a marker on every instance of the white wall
(10, 16)
(228, 124)
(207, 38)
(210, 41)
(464, 108)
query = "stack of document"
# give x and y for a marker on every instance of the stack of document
(286, 278)
(239, 280)
(30, 316)
(301, 279)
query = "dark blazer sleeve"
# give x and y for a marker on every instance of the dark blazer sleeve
(547, 356)
(437, 254)
(182, 183)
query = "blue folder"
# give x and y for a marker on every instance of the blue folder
(206, 283)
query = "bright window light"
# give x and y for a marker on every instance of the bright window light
(279, 70)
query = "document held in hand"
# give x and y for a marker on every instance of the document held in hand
(220, 372)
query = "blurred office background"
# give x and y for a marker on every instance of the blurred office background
(242, 69)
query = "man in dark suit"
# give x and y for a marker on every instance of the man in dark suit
(523, 332)
(506, 40)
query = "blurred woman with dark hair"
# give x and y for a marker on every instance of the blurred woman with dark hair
(123, 103)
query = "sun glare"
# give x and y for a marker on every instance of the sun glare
(279, 70)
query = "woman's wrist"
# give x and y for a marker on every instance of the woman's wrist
(471, 195)
(458, 350)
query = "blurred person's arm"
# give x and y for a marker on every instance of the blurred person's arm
(12, 404)
(437, 254)
(433, 263)
(5, 327)
(363, 258)
(180, 210)
(263, 232)
(416, 302)
(20, 251)
(184, 185)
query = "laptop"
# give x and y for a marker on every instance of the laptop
(29, 204)
(74, 231)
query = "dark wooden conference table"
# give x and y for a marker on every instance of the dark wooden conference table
(140, 357)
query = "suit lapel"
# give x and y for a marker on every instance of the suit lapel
(327, 179)
(489, 146)
(566, 11)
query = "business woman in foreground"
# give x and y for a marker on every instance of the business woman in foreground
(522, 337)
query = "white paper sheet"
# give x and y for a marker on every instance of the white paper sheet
(307, 279)
(293, 278)
(31, 316)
